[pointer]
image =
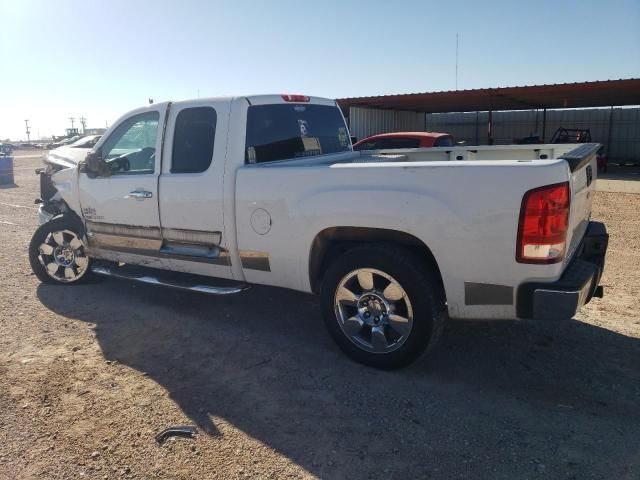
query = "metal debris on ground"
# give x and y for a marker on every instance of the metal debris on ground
(182, 431)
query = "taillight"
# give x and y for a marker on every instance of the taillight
(295, 98)
(544, 220)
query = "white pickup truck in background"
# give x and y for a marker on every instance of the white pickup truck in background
(215, 194)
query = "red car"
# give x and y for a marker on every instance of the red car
(405, 140)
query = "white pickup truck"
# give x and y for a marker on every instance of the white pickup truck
(215, 194)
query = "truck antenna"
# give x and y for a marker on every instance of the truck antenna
(456, 60)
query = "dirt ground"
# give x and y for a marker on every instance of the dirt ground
(620, 179)
(89, 374)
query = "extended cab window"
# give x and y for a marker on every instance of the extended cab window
(134, 140)
(195, 133)
(284, 131)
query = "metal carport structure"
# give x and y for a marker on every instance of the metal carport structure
(608, 93)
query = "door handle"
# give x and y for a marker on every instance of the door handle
(139, 194)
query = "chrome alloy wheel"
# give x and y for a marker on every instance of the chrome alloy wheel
(373, 310)
(63, 256)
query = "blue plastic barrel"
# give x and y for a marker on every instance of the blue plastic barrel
(6, 170)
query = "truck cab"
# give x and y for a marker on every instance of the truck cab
(162, 192)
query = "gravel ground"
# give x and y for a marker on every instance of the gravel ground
(89, 374)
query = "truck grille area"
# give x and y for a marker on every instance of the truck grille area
(47, 189)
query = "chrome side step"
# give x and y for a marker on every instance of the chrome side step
(153, 280)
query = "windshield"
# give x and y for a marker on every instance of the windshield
(286, 131)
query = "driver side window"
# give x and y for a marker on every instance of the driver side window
(130, 149)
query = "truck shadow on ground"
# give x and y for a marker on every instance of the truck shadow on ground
(493, 395)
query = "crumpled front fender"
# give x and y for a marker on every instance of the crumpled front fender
(43, 215)
(66, 182)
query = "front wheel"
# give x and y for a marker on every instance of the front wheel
(382, 305)
(57, 253)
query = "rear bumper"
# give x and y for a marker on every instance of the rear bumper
(577, 286)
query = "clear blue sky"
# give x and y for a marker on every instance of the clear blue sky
(63, 58)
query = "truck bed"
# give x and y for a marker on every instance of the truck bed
(466, 211)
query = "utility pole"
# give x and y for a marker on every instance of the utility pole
(83, 122)
(72, 122)
(28, 130)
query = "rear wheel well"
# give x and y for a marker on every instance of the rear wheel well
(333, 242)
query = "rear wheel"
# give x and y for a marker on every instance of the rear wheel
(382, 306)
(57, 253)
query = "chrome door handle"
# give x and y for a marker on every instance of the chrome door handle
(139, 194)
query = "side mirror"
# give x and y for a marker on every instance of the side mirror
(94, 166)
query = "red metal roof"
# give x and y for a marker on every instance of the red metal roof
(564, 95)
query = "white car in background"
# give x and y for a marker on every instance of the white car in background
(69, 155)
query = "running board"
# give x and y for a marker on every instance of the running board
(119, 272)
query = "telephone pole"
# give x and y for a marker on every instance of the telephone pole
(72, 122)
(83, 122)
(28, 130)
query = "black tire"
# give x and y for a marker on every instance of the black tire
(62, 223)
(423, 289)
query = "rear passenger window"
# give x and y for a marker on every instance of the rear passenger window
(195, 132)
(288, 131)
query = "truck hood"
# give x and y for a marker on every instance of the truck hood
(66, 157)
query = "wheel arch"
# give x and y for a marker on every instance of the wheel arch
(73, 218)
(333, 241)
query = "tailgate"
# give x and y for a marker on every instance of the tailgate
(583, 171)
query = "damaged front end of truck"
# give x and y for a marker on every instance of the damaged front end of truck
(58, 192)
